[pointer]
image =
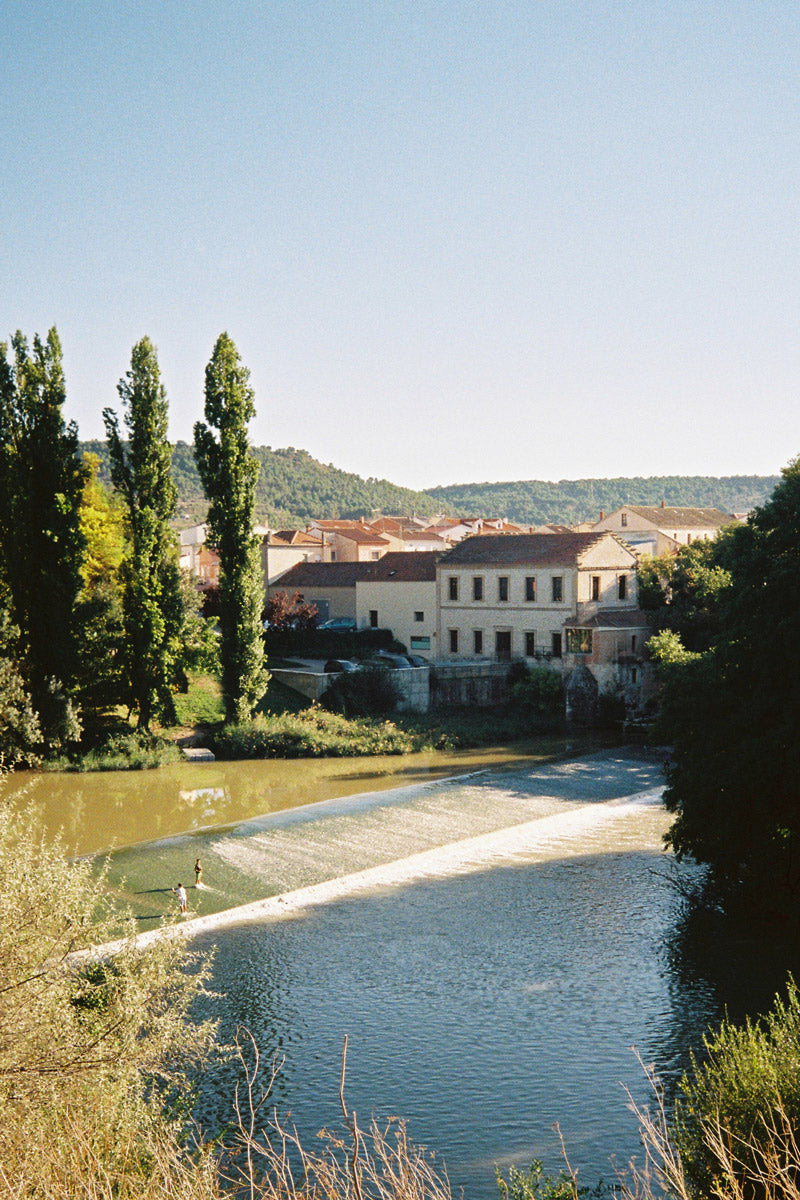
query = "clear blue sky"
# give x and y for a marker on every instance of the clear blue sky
(454, 241)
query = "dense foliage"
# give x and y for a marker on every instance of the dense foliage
(229, 476)
(731, 712)
(682, 592)
(42, 476)
(570, 501)
(367, 692)
(747, 1083)
(152, 601)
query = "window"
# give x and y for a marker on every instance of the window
(419, 616)
(333, 556)
(477, 587)
(579, 641)
(530, 645)
(557, 583)
(633, 643)
(595, 587)
(375, 555)
(477, 641)
(502, 588)
(452, 587)
(502, 644)
(453, 634)
(530, 587)
(555, 642)
(622, 587)
(373, 618)
(420, 643)
(623, 520)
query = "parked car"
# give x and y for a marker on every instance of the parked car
(337, 665)
(415, 660)
(339, 625)
(387, 660)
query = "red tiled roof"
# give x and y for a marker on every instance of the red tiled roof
(364, 537)
(293, 537)
(322, 575)
(398, 566)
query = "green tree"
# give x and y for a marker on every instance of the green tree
(140, 471)
(20, 735)
(683, 591)
(229, 475)
(42, 476)
(732, 712)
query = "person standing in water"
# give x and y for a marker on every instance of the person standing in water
(198, 871)
(180, 892)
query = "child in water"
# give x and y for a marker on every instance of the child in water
(180, 892)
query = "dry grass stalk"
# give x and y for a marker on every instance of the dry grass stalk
(763, 1167)
(268, 1161)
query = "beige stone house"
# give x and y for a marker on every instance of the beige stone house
(660, 529)
(284, 548)
(330, 586)
(537, 597)
(399, 593)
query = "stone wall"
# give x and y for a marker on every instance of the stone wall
(469, 684)
(411, 682)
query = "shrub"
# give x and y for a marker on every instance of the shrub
(540, 692)
(93, 1055)
(125, 750)
(746, 1089)
(312, 733)
(362, 693)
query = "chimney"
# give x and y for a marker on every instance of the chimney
(663, 504)
(602, 516)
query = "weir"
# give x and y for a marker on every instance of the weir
(283, 862)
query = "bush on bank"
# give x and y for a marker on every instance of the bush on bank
(312, 733)
(93, 1055)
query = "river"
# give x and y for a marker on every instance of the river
(497, 946)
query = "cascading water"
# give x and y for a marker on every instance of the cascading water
(428, 829)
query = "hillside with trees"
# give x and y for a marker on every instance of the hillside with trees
(293, 488)
(569, 501)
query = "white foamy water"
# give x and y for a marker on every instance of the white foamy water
(558, 835)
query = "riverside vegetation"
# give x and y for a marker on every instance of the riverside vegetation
(95, 1057)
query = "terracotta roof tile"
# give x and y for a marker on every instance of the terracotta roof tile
(306, 575)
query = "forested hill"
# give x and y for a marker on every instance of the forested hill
(535, 502)
(292, 488)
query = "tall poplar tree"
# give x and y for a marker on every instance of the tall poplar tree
(229, 476)
(140, 471)
(42, 476)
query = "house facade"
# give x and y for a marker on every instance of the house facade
(528, 596)
(660, 529)
(285, 548)
(399, 593)
(330, 586)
